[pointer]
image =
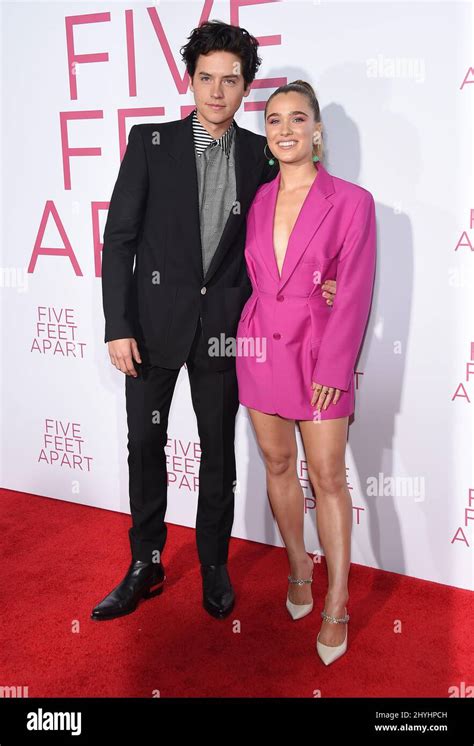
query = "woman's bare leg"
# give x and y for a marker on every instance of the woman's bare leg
(277, 440)
(325, 447)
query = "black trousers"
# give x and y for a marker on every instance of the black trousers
(215, 402)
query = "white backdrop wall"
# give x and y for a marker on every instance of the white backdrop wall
(395, 85)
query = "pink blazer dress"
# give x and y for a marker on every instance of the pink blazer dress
(287, 335)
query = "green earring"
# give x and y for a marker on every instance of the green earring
(315, 158)
(271, 160)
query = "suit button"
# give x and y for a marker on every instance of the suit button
(276, 335)
(203, 291)
(280, 297)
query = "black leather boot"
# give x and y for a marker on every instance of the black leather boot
(143, 580)
(218, 595)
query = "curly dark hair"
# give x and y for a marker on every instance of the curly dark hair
(217, 36)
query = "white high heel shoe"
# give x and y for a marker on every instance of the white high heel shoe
(330, 653)
(298, 611)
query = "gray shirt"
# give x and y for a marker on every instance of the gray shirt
(215, 165)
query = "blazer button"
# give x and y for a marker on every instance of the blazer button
(276, 335)
(203, 291)
(280, 297)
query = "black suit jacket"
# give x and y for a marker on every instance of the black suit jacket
(153, 219)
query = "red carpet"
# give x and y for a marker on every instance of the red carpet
(58, 559)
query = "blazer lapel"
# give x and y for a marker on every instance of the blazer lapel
(181, 149)
(312, 213)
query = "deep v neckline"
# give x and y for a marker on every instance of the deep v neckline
(272, 225)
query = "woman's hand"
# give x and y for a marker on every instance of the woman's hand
(324, 395)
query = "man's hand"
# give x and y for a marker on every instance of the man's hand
(122, 354)
(329, 291)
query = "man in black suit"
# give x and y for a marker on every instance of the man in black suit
(178, 209)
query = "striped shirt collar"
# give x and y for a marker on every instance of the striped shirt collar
(202, 138)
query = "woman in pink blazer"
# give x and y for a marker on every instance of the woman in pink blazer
(295, 353)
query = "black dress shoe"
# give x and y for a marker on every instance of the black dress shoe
(143, 580)
(218, 595)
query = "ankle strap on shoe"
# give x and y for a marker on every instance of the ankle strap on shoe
(335, 619)
(298, 581)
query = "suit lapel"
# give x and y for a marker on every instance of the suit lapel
(181, 149)
(312, 213)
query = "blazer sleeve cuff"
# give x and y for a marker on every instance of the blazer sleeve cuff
(332, 376)
(121, 330)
